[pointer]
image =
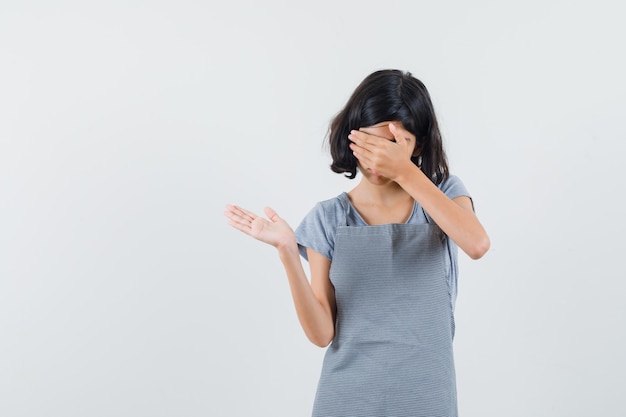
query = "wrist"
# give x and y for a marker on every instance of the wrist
(406, 172)
(287, 248)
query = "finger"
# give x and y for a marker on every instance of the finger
(245, 228)
(239, 218)
(355, 138)
(361, 142)
(360, 145)
(245, 212)
(242, 213)
(363, 139)
(398, 134)
(357, 151)
(271, 214)
(237, 221)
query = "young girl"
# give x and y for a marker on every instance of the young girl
(382, 257)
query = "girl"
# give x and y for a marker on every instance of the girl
(382, 257)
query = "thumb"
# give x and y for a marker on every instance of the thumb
(271, 214)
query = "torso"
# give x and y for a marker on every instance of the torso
(392, 351)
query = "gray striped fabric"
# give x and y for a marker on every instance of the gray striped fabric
(392, 353)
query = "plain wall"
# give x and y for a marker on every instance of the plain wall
(126, 126)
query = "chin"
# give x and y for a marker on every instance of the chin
(378, 179)
(374, 179)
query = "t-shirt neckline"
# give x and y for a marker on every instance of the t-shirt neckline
(345, 197)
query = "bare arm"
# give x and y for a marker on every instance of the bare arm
(315, 301)
(392, 160)
(455, 217)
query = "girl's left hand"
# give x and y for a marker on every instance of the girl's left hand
(383, 156)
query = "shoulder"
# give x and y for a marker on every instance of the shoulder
(317, 229)
(453, 187)
(329, 211)
(332, 207)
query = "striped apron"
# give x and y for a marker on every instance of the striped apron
(392, 352)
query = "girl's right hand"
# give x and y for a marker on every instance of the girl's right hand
(274, 230)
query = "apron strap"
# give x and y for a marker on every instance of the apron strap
(428, 219)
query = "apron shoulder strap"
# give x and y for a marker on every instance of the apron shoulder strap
(428, 219)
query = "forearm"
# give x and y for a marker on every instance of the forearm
(459, 223)
(315, 318)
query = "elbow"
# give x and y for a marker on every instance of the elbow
(321, 340)
(321, 344)
(479, 249)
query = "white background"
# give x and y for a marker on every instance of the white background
(126, 126)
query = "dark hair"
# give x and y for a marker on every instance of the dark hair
(390, 95)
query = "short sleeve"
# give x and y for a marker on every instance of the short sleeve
(453, 187)
(313, 232)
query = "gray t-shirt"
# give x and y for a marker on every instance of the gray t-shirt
(317, 229)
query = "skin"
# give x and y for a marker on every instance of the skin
(390, 183)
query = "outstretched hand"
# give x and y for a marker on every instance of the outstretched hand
(274, 230)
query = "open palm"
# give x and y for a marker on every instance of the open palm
(274, 230)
